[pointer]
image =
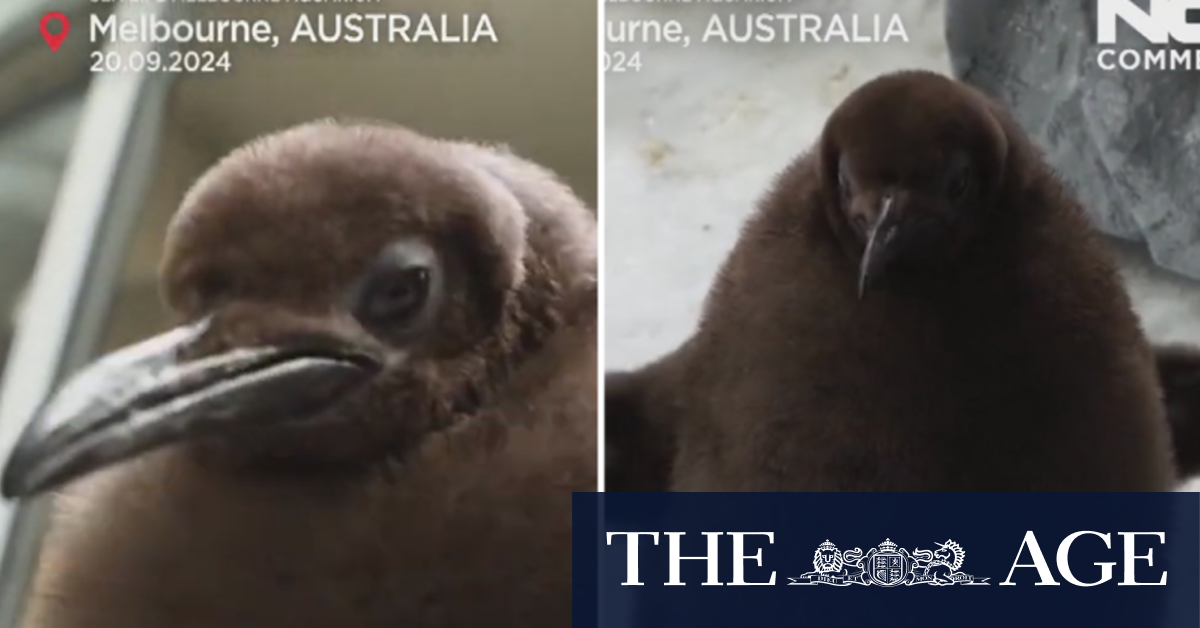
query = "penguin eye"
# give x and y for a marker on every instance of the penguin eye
(397, 295)
(958, 182)
(398, 287)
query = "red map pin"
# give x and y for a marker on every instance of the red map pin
(53, 40)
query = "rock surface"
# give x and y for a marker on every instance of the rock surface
(1128, 141)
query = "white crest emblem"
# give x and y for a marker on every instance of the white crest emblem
(888, 565)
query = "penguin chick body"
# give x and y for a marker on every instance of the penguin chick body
(916, 305)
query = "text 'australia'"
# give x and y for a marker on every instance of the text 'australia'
(395, 28)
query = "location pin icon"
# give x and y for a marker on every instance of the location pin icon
(54, 41)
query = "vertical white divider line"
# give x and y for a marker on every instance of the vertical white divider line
(600, 247)
(601, 256)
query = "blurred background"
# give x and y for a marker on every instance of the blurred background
(93, 166)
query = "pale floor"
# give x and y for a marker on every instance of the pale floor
(694, 137)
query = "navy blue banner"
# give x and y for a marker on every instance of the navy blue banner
(887, 559)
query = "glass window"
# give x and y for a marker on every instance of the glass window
(76, 156)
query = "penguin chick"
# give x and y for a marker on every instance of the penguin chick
(930, 312)
(380, 401)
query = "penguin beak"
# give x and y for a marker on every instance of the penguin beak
(882, 248)
(147, 396)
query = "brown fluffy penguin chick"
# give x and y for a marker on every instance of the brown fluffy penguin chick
(930, 311)
(378, 408)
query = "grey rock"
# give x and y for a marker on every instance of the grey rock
(1127, 141)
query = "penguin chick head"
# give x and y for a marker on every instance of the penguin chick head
(914, 163)
(344, 290)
